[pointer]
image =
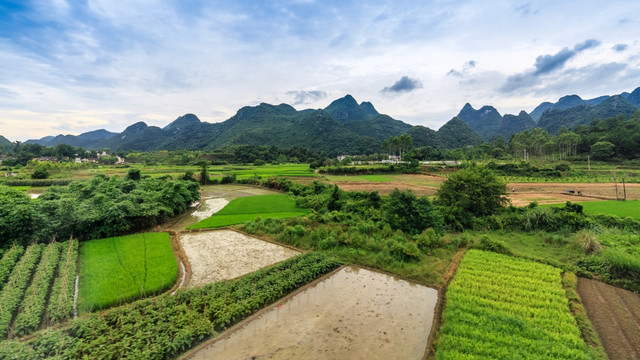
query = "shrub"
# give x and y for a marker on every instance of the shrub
(488, 244)
(588, 241)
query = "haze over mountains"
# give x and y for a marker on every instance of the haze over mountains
(346, 127)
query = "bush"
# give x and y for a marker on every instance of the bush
(488, 244)
(588, 241)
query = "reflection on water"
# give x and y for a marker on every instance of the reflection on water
(354, 314)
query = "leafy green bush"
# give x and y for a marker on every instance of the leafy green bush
(488, 244)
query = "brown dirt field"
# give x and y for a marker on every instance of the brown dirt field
(615, 313)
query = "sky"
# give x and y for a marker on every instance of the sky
(67, 67)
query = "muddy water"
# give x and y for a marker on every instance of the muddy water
(354, 314)
(225, 254)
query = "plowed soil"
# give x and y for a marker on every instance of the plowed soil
(615, 313)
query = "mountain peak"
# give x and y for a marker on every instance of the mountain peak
(369, 109)
(346, 109)
(467, 107)
(182, 122)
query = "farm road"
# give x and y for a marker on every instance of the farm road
(615, 313)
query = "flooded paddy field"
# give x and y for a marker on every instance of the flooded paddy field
(353, 314)
(226, 254)
(213, 199)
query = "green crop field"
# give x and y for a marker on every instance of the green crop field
(500, 307)
(375, 178)
(118, 269)
(629, 208)
(248, 208)
(243, 172)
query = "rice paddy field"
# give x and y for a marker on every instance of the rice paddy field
(629, 208)
(248, 208)
(120, 269)
(518, 312)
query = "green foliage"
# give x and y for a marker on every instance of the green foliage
(34, 304)
(602, 150)
(472, 191)
(517, 311)
(117, 270)
(488, 244)
(615, 266)
(97, 208)
(13, 291)
(406, 212)
(247, 208)
(588, 241)
(61, 300)
(9, 260)
(133, 174)
(169, 325)
(40, 173)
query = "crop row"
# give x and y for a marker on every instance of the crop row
(169, 325)
(13, 291)
(498, 307)
(34, 303)
(61, 298)
(9, 260)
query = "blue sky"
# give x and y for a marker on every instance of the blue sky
(74, 66)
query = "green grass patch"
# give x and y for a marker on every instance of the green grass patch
(375, 178)
(119, 269)
(629, 208)
(508, 308)
(248, 208)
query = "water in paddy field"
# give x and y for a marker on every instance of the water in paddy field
(354, 314)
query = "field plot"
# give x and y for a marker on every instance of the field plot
(541, 189)
(384, 184)
(629, 208)
(246, 209)
(225, 254)
(353, 314)
(166, 326)
(500, 307)
(615, 313)
(268, 170)
(119, 269)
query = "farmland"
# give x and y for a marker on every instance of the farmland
(518, 312)
(629, 208)
(245, 209)
(26, 301)
(119, 269)
(169, 325)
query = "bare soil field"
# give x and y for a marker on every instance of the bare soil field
(615, 313)
(354, 313)
(226, 254)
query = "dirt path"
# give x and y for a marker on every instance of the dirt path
(615, 313)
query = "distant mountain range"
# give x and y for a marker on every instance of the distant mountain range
(346, 127)
(569, 111)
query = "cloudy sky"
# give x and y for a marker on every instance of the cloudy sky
(72, 66)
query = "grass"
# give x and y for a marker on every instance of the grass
(508, 308)
(629, 208)
(376, 178)
(119, 269)
(248, 208)
(551, 248)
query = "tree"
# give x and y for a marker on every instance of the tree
(472, 191)
(133, 174)
(204, 175)
(411, 214)
(602, 150)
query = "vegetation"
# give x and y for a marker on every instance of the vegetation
(13, 291)
(169, 325)
(622, 209)
(518, 312)
(93, 209)
(9, 260)
(246, 209)
(61, 299)
(120, 269)
(34, 304)
(472, 191)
